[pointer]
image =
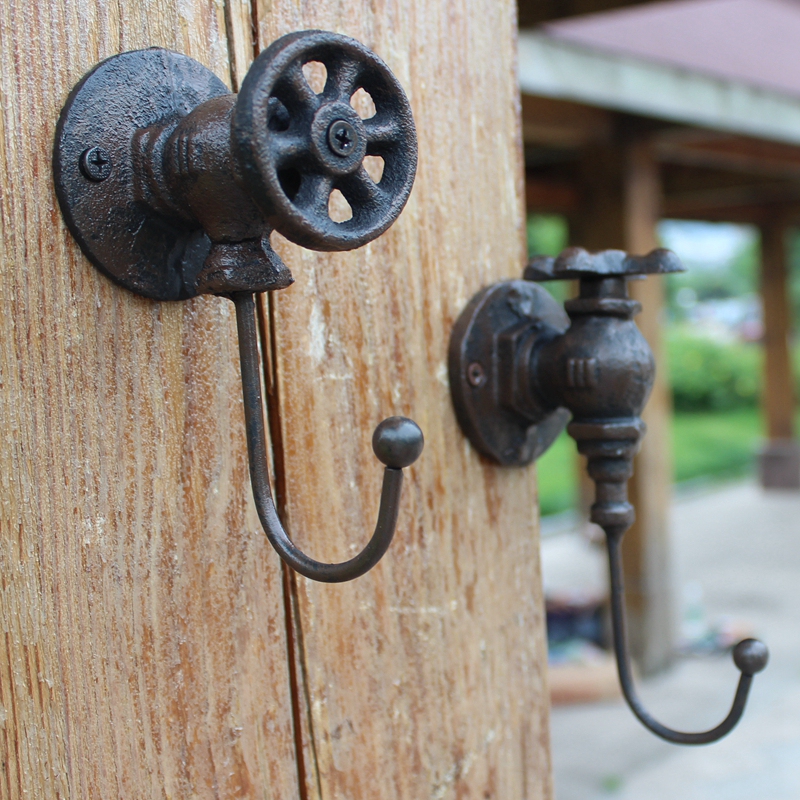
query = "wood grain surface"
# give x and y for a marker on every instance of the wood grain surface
(143, 650)
(146, 652)
(424, 679)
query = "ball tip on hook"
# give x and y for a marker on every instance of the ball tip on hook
(750, 656)
(398, 442)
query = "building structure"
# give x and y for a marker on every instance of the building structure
(685, 109)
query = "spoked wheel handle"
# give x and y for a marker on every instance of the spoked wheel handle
(295, 147)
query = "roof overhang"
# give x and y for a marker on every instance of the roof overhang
(564, 70)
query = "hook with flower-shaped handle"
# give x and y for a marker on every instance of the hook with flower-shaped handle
(520, 367)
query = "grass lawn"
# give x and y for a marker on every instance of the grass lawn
(719, 444)
(714, 444)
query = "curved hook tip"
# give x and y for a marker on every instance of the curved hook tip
(398, 442)
(750, 656)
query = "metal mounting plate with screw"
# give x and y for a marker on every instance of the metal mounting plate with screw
(92, 160)
(515, 308)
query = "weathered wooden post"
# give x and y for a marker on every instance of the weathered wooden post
(779, 459)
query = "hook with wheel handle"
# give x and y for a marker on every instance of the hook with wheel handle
(172, 186)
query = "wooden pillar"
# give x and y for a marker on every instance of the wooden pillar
(779, 460)
(152, 644)
(646, 552)
(622, 196)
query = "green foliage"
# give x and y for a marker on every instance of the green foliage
(547, 234)
(715, 444)
(731, 275)
(733, 279)
(707, 375)
(611, 783)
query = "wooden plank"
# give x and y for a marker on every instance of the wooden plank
(711, 149)
(426, 677)
(779, 459)
(562, 124)
(143, 649)
(550, 197)
(534, 12)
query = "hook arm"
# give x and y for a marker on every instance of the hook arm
(750, 656)
(397, 443)
(610, 447)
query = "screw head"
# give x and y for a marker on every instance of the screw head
(398, 442)
(476, 374)
(342, 137)
(96, 164)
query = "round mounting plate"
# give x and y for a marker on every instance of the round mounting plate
(119, 235)
(498, 432)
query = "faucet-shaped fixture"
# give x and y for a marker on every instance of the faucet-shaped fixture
(172, 186)
(520, 367)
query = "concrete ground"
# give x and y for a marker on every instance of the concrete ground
(742, 546)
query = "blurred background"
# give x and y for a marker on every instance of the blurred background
(677, 124)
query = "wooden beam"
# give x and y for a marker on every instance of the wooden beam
(646, 551)
(550, 197)
(706, 192)
(534, 12)
(404, 672)
(144, 628)
(778, 394)
(749, 203)
(701, 148)
(563, 124)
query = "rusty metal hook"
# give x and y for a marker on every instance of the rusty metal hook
(520, 367)
(172, 187)
(750, 656)
(397, 443)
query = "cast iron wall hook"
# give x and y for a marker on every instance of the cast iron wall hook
(520, 367)
(397, 443)
(172, 186)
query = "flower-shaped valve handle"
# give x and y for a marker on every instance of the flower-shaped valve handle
(172, 186)
(520, 367)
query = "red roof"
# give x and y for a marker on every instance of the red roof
(756, 42)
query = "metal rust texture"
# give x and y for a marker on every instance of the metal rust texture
(501, 321)
(599, 370)
(172, 185)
